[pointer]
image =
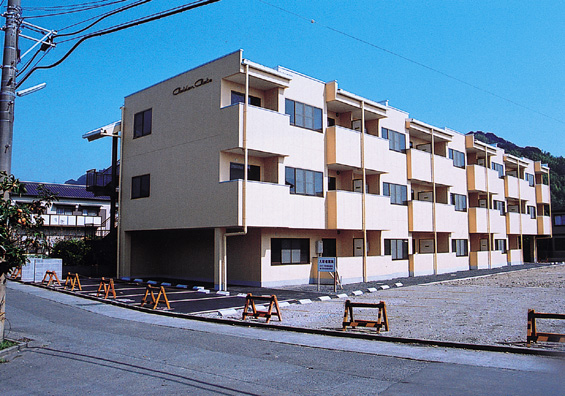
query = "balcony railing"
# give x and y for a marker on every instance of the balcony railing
(99, 182)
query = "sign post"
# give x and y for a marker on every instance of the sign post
(327, 264)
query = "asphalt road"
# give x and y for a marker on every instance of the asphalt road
(85, 347)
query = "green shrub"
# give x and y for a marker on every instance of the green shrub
(72, 251)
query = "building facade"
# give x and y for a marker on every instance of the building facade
(76, 213)
(329, 173)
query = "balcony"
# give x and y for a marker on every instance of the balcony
(543, 194)
(420, 217)
(268, 205)
(527, 192)
(53, 220)
(478, 221)
(100, 182)
(529, 225)
(268, 132)
(544, 225)
(514, 256)
(476, 180)
(343, 150)
(345, 211)
(419, 167)
(513, 223)
(511, 187)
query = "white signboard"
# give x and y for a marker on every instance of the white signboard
(326, 264)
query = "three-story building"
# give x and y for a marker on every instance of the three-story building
(237, 172)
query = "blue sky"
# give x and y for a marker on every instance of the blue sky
(512, 49)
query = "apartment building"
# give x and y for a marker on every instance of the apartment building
(236, 172)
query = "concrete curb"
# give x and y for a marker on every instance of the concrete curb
(332, 333)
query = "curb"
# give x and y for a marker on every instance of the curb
(332, 333)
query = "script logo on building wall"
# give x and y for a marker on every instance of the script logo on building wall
(198, 83)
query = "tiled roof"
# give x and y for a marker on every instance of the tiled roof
(62, 191)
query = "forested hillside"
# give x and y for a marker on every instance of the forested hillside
(556, 164)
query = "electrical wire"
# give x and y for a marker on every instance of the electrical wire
(74, 10)
(444, 74)
(134, 22)
(101, 17)
(149, 18)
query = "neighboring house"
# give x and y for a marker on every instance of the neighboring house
(403, 198)
(76, 213)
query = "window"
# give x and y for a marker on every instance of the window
(290, 251)
(90, 211)
(236, 172)
(460, 247)
(458, 158)
(559, 220)
(396, 140)
(140, 186)
(397, 248)
(304, 115)
(532, 212)
(460, 202)
(499, 205)
(530, 178)
(396, 192)
(142, 123)
(499, 168)
(64, 210)
(304, 182)
(238, 97)
(500, 244)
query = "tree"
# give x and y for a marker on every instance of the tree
(20, 231)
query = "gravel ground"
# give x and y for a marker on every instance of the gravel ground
(488, 310)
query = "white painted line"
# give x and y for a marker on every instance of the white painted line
(384, 287)
(343, 295)
(357, 292)
(372, 289)
(324, 298)
(304, 301)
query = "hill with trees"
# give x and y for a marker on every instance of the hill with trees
(556, 164)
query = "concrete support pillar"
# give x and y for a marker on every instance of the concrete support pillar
(124, 255)
(220, 259)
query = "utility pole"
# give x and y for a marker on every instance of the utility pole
(8, 88)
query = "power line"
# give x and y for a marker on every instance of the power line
(136, 22)
(417, 63)
(71, 9)
(101, 17)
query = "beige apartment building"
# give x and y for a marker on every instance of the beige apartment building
(329, 173)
